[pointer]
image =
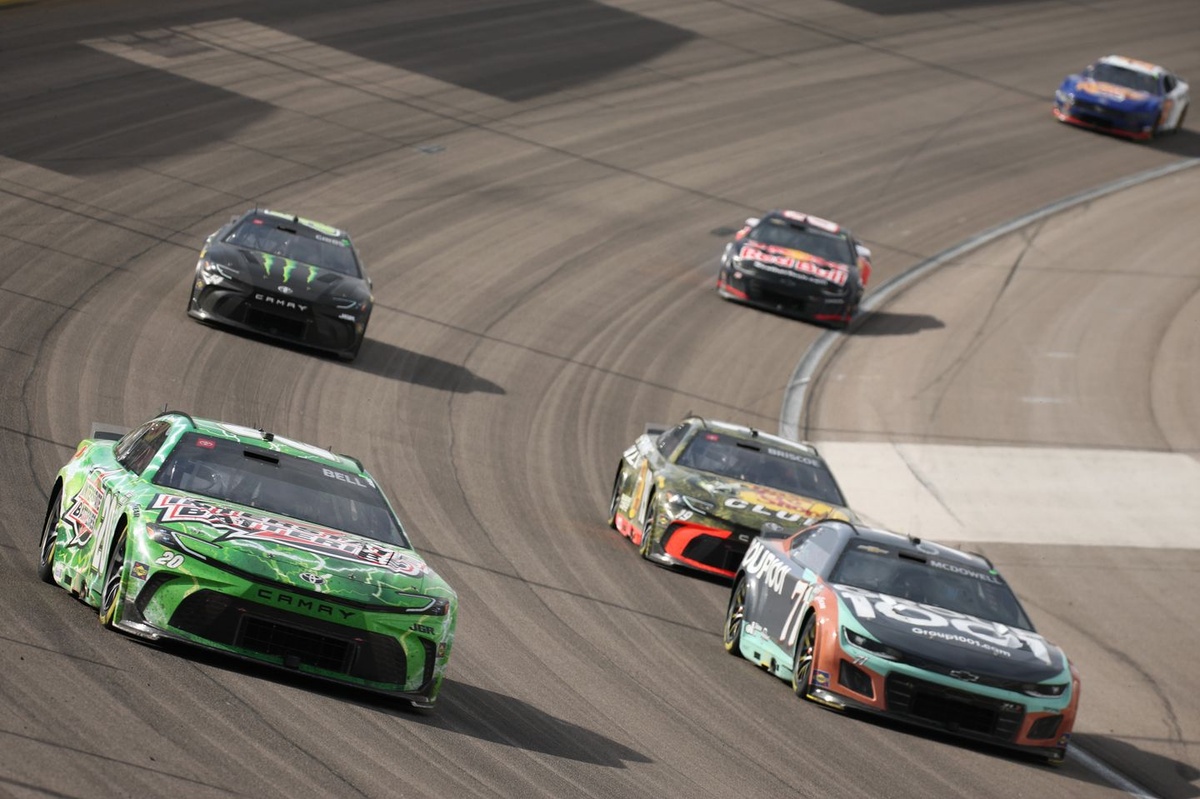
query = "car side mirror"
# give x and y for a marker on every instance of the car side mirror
(752, 221)
(863, 252)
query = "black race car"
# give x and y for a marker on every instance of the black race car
(285, 277)
(796, 264)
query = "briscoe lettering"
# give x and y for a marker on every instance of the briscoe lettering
(927, 621)
(762, 510)
(242, 525)
(764, 564)
(834, 273)
(792, 456)
(300, 603)
(267, 299)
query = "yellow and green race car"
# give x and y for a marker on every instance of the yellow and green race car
(242, 541)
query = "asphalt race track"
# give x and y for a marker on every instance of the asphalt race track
(540, 189)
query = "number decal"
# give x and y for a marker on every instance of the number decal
(109, 513)
(172, 560)
(791, 625)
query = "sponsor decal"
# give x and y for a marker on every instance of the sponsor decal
(422, 628)
(329, 240)
(206, 443)
(764, 564)
(314, 606)
(775, 504)
(797, 261)
(930, 621)
(821, 678)
(84, 513)
(285, 290)
(1110, 90)
(315, 579)
(874, 550)
(139, 570)
(236, 525)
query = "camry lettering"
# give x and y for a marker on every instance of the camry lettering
(312, 606)
(267, 299)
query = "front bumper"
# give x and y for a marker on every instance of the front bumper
(379, 649)
(259, 311)
(1094, 116)
(795, 297)
(846, 676)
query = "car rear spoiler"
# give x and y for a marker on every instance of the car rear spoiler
(107, 432)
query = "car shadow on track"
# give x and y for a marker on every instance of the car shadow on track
(396, 363)
(462, 708)
(1160, 776)
(1185, 143)
(889, 323)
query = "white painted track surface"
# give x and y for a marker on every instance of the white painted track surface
(1050, 420)
(536, 185)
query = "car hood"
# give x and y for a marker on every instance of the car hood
(283, 275)
(752, 505)
(294, 553)
(1108, 94)
(792, 263)
(940, 636)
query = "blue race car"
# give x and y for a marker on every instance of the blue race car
(1123, 96)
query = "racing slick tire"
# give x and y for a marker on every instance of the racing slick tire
(803, 659)
(114, 579)
(49, 539)
(616, 497)
(734, 618)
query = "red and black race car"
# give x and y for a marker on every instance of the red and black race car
(796, 264)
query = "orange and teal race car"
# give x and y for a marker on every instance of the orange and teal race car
(864, 619)
(697, 494)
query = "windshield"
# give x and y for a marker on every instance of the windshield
(823, 244)
(1129, 78)
(297, 242)
(786, 469)
(229, 471)
(931, 581)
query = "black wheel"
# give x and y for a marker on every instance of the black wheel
(803, 659)
(735, 618)
(114, 577)
(616, 497)
(648, 527)
(49, 539)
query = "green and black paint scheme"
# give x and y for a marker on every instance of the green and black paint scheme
(697, 494)
(256, 545)
(285, 277)
(865, 619)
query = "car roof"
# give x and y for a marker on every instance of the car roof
(802, 218)
(1134, 64)
(250, 437)
(318, 227)
(746, 433)
(919, 546)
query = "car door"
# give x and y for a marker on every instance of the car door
(133, 453)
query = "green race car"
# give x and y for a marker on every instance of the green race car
(252, 544)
